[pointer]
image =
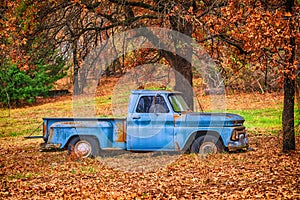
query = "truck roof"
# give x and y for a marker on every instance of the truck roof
(154, 92)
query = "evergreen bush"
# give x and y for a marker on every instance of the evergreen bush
(18, 85)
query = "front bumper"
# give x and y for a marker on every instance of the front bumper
(242, 143)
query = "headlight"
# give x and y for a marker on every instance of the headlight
(237, 132)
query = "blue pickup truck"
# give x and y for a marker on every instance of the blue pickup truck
(156, 121)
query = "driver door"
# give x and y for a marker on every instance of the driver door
(151, 126)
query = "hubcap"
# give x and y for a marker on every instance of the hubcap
(83, 148)
(208, 148)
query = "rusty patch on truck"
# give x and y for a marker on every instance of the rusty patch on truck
(85, 124)
(67, 123)
(77, 124)
(121, 132)
(177, 146)
(51, 133)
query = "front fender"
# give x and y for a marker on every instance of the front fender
(185, 138)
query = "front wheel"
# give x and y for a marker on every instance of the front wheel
(84, 147)
(207, 144)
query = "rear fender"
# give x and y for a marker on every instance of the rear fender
(62, 132)
(84, 136)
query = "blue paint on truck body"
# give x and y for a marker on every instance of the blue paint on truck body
(156, 121)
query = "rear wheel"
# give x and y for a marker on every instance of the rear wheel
(84, 147)
(207, 144)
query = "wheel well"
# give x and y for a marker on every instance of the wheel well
(75, 136)
(195, 135)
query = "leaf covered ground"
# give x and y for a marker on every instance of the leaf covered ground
(263, 173)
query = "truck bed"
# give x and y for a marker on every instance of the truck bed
(110, 131)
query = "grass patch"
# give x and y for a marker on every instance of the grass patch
(268, 121)
(262, 118)
(24, 121)
(103, 100)
(28, 120)
(22, 176)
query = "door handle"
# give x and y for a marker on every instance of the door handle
(136, 117)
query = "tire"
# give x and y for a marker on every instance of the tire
(84, 147)
(207, 144)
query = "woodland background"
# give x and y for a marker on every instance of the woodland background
(254, 43)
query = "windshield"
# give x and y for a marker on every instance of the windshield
(178, 103)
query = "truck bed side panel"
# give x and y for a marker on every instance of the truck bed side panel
(109, 132)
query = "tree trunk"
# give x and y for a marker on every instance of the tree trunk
(288, 115)
(184, 79)
(180, 64)
(76, 89)
(288, 126)
(298, 94)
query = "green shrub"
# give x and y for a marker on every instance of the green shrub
(19, 86)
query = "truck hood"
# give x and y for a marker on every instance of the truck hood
(214, 119)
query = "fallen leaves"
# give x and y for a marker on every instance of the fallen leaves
(264, 173)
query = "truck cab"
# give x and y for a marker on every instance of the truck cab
(156, 121)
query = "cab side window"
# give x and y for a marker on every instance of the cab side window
(152, 104)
